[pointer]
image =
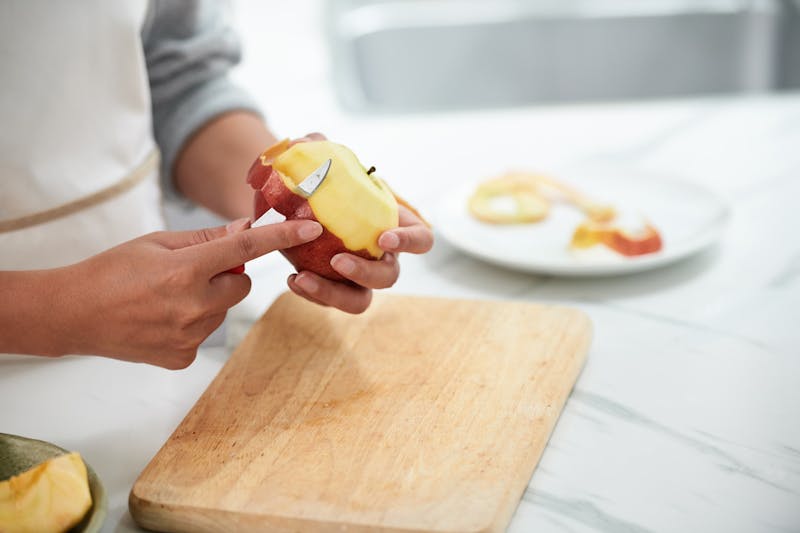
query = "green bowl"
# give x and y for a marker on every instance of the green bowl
(18, 454)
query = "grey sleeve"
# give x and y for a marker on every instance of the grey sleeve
(189, 48)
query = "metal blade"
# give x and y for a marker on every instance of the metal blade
(307, 187)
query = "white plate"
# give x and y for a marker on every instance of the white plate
(688, 216)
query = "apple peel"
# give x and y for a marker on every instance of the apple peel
(529, 204)
(532, 195)
(629, 244)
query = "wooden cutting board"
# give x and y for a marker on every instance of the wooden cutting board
(422, 414)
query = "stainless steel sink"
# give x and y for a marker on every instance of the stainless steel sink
(401, 55)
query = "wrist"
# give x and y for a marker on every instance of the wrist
(35, 317)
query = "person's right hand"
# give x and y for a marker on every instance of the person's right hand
(156, 298)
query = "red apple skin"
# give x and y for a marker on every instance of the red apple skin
(257, 174)
(314, 256)
(629, 246)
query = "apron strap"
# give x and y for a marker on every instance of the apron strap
(138, 174)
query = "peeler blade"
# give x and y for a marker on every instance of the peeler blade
(307, 187)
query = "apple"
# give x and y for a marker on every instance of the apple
(352, 204)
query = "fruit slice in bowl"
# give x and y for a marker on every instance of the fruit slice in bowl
(45, 488)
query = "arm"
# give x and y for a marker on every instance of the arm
(210, 133)
(32, 312)
(210, 171)
(208, 129)
(153, 299)
(211, 168)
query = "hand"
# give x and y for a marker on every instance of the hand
(156, 298)
(411, 236)
(315, 136)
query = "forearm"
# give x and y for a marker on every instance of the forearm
(34, 313)
(212, 167)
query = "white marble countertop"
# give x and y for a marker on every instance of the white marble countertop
(687, 414)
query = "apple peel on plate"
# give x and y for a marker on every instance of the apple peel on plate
(531, 197)
(646, 240)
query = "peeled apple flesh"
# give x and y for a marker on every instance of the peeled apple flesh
(353, 205)
(52, 496)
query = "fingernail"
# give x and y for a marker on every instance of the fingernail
(307, 283)
(310, 230)
(237, 225)
(343, 264)
(390, 241)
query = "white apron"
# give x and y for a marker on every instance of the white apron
(78, 164)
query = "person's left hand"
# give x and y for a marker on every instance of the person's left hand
(412, 235)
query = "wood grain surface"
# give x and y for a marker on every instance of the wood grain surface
(422, 414)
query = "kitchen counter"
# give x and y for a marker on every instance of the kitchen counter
(687, 414)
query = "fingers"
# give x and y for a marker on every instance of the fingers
(412, 236)
(173, 360)
(232, 250)
(179, 359)
(235, 227)
(408, 213)
(325, 292)
(315, 136)
(202, 329)
(227, 290)
(409, 217)
(415, 239)
(300, 292)
(181, 239)
(368, 273)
